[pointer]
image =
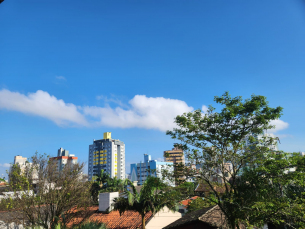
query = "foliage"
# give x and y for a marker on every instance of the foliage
(2, 179)
(89, 225)
(275, 190)
(55, 193)
(199, 203)
(20, 178)
(212, 139)
(101, 177)
(104, 183)
(154, 196)
(113, 185)
(186, 189)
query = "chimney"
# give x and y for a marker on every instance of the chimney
(106, 201)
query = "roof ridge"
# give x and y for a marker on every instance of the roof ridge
(208, 211)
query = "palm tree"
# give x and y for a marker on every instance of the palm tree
(154, 196)
(101, 178)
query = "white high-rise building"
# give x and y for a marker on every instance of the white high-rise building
(107, 154)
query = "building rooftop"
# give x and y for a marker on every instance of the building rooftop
(113, 220)
(211, 216)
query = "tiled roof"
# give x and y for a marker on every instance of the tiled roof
(212, 216)
(188, 201)
(113, 220)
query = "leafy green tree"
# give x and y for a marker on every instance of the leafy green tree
(113, 185)
(101, 178)
(20, 179)
(186, 189)
(154, 196)
(213, 139)
(97, 185)
(56, 192)
(275, 189)
(199, 203)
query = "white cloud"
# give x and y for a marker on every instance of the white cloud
(5, 165)
(279, 125)
(112, 99)
(144, 112)
(44, 105)
(204, 109)
(61, 78)
(141, 112)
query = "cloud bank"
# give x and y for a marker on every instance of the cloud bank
(279, 125)
(44, 105)
(5, 165)
(141, 112)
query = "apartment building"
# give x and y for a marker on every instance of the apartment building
(175, 156)
(140, 171)
(107, 154)
(63, 158)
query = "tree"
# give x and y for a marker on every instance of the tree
(101, 178)
(104, 183)
(186, 189)
(224, 143)
(98, 182)
(276, 189)
(57, 192)
(154, 196)
(199, 203)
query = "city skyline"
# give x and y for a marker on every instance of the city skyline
(72, 70)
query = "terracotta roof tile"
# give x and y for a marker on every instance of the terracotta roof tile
(113, 220)
(188, 201)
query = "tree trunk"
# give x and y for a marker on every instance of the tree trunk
(233, 226)
(143, 221)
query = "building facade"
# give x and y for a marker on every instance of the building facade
(19, 160)
(63, 158)
(107, 154)
(140, 171)
(175, 156)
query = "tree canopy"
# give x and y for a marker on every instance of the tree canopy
(227, 147)
(48, 194)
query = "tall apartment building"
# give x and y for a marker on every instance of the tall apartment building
(107, 154)
(175, 156)
(19, 160)
(140, 171)
(63, 158)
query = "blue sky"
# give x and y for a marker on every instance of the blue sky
(71, 70)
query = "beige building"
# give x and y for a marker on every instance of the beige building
(175, 155)
(19, 160)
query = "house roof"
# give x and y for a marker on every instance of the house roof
(113, 220)
(212, 216)
(188, 201)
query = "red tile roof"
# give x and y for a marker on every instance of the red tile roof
(113, 220)
(188, 201)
